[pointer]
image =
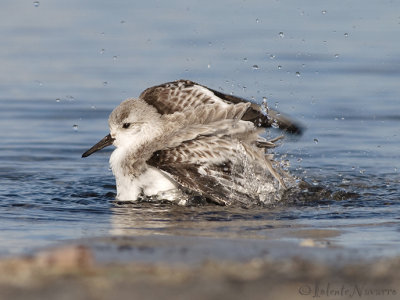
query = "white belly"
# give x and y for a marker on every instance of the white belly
(151, 183)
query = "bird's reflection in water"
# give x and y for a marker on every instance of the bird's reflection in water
(147, 218)
(140, 218)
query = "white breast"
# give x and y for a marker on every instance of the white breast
(151, 183)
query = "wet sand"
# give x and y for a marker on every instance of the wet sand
(179, 267)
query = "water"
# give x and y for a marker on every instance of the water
(66, 65)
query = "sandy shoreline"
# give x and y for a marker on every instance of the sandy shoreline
(178, 267)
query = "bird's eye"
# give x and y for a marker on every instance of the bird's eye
(126, 125)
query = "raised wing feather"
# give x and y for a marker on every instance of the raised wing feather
(181, 95)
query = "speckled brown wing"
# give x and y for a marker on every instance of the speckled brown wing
(209, 187)
(204, 166)
(181, 95)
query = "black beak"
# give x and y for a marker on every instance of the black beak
(106, 141)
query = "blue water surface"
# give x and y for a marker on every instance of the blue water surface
(66, 64)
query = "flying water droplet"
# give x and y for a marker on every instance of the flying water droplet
(316, 141)
(336, 55)
(346, 34)
(298, 74)
(122, 22)
(272, 56)
(324, 12)
(58, 100)
(105, 83)
(102, 51)
(36, 3)
(255, 67)
(279, 67)
(281, 34)
(257, 20)
(75, 127)
(115, 57)
(245, 59)
(208, 66)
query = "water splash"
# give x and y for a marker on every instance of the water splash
(275, 124)
(264, 106)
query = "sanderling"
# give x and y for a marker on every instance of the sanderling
(181, 139)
